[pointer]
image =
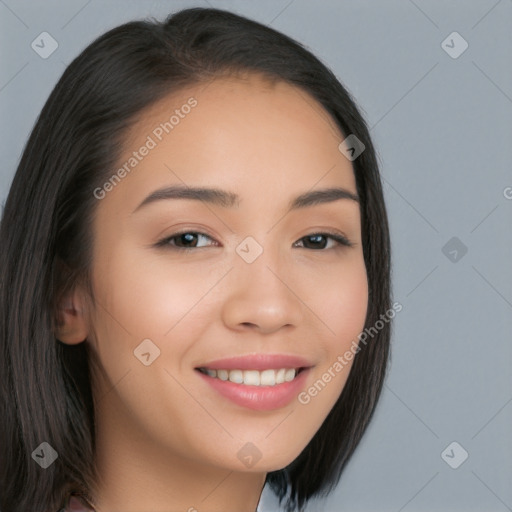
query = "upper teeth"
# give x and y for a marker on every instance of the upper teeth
(254, 377)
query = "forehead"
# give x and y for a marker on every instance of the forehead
(243, 133)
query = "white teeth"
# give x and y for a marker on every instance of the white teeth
(236, 376)
(254, 377)
(268, 377)
(289, 375)
(222, 374)
(251, 377)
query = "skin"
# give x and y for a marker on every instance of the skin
(165, 439)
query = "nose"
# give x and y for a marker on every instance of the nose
(262, 295)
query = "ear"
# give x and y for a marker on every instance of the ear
(71, 324)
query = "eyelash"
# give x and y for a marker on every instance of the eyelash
(341, 240)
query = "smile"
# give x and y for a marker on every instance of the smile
(270, 377)
(242, 387)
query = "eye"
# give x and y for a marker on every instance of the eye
(187, 240)
(319, 240)
(183, 241)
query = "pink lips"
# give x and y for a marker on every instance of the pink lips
(258, 362)
(259, 398)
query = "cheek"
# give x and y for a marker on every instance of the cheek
(161, 302)
(341, 303)
(141, 297)
(339, 299)
(346, 306)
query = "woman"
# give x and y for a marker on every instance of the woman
(193, 249)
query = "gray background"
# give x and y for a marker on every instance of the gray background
(443, 130)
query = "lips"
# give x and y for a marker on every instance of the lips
(258, 362)
(255, 381)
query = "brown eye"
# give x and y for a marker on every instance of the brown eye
(187, 240)
(319, 240)
(184, 240)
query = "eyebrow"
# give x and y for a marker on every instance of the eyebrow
(228, 199)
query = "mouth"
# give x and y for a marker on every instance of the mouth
(258, 390)
(257, 381)
(256, 378)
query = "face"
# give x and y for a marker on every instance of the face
(180, 283)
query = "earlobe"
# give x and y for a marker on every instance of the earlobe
(70, 326)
